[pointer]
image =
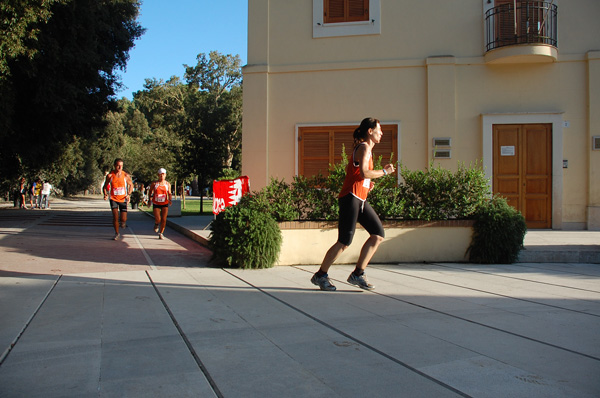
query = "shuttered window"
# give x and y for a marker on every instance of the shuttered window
(321, 146)
(335, 11)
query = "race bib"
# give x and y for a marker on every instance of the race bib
(118, 191)
(161, 198)
(367, 183)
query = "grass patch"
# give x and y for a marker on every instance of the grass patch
(192, 207)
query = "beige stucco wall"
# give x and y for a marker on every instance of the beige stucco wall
(308, 246)
(429, 75)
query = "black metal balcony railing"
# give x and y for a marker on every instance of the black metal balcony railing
(529, 23)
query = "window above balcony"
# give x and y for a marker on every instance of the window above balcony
(521, 31)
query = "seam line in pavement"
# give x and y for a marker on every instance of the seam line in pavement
(475, 322)
(187, 342)
(148, 259)
(16, 339)
(519, 279)
(485, 291)
(348, 336)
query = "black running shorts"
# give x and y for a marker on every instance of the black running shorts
(353, 210)
(122, 206)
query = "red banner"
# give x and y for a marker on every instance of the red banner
(229, 192)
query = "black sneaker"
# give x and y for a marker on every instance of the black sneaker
(360, 281)
(323, 282)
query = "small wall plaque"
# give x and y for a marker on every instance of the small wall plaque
(507, 151)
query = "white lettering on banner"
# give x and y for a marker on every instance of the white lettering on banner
(218, 205)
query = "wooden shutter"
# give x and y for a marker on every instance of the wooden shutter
(321, 146)
(335, 11)
(505, 28)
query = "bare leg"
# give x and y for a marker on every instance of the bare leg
(332, 254)
(163, 218)
(115, 214)
(157, 215)
(123, 219)
(367, 251)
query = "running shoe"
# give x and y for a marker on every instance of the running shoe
(323, 282)
(116, 237)
(156, 228)
(360, 281)
(160, 236)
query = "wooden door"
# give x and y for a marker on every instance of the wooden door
(522, 168)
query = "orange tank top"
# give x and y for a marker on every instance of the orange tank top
(160, 195)
(118, 187)
(354, 183)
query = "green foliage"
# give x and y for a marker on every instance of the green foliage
(439, 194)
(498, 233)
(244, 236)
(59, 62)
(276, 199)
(229, 174)
(136, 197)
(212, 128)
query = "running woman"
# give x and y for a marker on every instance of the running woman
(118, 186)
(355, 208)
(160, 194)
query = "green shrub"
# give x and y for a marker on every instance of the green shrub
(498, 233)
(314, 198)
(277, 199)
(244, 236)
(440, 194)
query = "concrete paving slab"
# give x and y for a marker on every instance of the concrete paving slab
(253, 334)
(20, 297)
(427, 330)
(541, 360)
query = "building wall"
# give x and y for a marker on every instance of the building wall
(426, 71)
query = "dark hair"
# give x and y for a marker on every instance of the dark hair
(117, 160)
(361, 133)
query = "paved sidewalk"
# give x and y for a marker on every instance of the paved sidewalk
(427, 330)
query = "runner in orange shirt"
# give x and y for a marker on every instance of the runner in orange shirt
(355, 208)
(118, 186)
(160, 194)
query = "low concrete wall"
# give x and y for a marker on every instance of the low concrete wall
(408, 241)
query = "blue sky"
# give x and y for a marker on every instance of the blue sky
(177, 31)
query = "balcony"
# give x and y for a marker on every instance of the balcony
(521, 32)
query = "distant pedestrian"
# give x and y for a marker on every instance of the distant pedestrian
(37, 194)
(117, 188)
(160, 194)
(355, 208)
(46, 190)
(22, 193)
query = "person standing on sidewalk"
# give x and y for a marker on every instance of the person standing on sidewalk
(355, 208)
(160, 194)
(46, 190)
(118, 186)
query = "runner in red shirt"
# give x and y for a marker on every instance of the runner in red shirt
(160, 194)
(118, 186)
(355, 208)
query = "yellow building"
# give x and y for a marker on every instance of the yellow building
(512, 83)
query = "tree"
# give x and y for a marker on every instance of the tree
(61, 85)
(212, 127)
(20, 21)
